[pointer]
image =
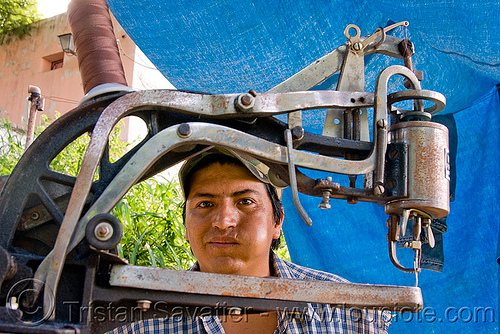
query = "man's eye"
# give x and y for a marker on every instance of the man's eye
(246, 201)
(204, 204)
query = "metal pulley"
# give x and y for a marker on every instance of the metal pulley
(104, 231)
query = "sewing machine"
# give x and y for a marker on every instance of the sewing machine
(80, 285)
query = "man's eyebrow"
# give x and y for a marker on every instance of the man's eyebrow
(235, 194)
(209, 195)
(244, 192)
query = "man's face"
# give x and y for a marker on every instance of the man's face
(229, 221)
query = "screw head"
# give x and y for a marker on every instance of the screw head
(392, 183)
(246, 99)
(357, 46)
(184, 130)
(144, 305)
(378, 190)
(393, 154)
(298, 133)
(382, 123)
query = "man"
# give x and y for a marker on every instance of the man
(233, 218)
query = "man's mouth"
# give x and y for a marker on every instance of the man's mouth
(223, 241)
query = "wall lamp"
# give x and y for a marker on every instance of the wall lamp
(67, 44)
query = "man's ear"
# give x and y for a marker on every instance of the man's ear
(279, 225)
(186, 234)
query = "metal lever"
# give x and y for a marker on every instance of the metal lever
(397, 225)
(293, 178)
(394, 224)
(426, 224)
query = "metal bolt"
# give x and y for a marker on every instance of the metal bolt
(352, 200)
(406, 48)
(393, 154)
(325, 203)
(378, 190)
(184, 130)
(235, 310)
(35, 216)
(246, 99)
(419, 75)
(297, 133)
(252, 92)
(144, 305)
(382, 123)
(357, 46)
(415, 244)
(391, 183)
(244, 102)
(103, 231)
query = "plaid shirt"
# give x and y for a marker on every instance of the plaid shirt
(318, 318)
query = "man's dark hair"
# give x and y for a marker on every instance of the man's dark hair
(226, 159)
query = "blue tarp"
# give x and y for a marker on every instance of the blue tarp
(233, 46)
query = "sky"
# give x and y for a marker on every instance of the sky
(49, 8)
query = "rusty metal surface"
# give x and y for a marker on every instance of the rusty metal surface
(224, 105)
(428, 164)
(437, 98)
(352, 78)
(164, 303)
(380, 119)
(311, 291)
(328, 65)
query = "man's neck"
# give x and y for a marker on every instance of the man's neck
(255, 323)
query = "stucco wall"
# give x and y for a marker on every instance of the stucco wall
(28, 62)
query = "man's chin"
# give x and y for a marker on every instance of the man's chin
(223, 265)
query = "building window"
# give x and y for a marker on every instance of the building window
(53, 62)
(56, 64)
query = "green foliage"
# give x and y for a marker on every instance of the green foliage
(16, 17)
(11, 147)
(69, 161)
(283, 250)
(154, 232)
(151, 211)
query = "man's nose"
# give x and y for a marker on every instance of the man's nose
(226, 216)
